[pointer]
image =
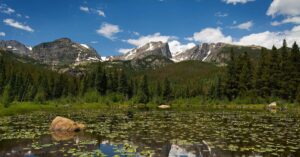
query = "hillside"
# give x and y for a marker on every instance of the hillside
(184, 72)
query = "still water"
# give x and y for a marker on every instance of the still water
(155, 133)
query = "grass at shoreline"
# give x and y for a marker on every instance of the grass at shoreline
(194, 104)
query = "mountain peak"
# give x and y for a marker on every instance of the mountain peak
(64, 40)
(64, 51)
(14, 46)
(152, 48)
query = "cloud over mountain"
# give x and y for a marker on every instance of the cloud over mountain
(108, 30)
(18, 25)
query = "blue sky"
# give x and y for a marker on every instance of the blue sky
(114, 26)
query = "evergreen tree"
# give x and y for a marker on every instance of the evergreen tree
(101, 81)
(130, 91)
(7, 96)
(245, 76)
(158, 90)
(262, 80)
(284, 72)
(2, 75)
(298, 95)
(294, 72)
(216, 89)
(123, 83)
(231, 81)
(167, 91)
(40, 96)
(274, 72)
(83, 85)
(144, 94)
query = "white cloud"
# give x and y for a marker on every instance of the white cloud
(124, 51)
(18, 25)
(92, 10)
(84, 9)
(290, 9)
(265, 39)
(150, 38)
(220, 14)
(5, 9)
(244, 26)
(136, 33)
(210, 35)
(234, 2)
(294, 20)
(2, 34)
(176, 47)
(109, 30)
(284, 7)
(100, 13)
(268, 39)
(94, 42)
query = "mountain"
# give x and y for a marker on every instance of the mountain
(15, 47)
(64, 55)
(214, 52)
(64, 52)
(150, 49)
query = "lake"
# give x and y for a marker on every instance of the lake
(206, 133)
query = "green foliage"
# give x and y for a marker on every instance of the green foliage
(7, 96)
(143, 93)
(272, 74)
(167, 92)
(276, 74)
(40, 97)
(232, 76)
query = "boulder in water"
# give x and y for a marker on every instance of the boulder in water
(273, 105)
(164, 106)
(65, 124)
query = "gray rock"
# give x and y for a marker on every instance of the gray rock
(63, 52)
(14, 46)
(149, 49)
(205, 52)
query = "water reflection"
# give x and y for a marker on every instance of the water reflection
(161, 134)
(63, 135)
(62, 143)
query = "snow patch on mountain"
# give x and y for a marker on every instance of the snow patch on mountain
(29, 47)
(176, 47)
(208, 53)
(78, 57)
(85, 46)
(93, 59)
(151, 47)
(104, 58)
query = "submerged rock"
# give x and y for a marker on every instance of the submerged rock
(63, 135)
(65, 124)
(273, 105)
(164, 106)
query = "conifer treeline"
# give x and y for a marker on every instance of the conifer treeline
(276, 75)
(27, 82)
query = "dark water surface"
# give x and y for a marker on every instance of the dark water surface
(155, 133)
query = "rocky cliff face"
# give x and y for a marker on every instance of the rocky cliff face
(204, 52)
(15, 47)
(150, 49)
(216, 53)
(63, 52)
